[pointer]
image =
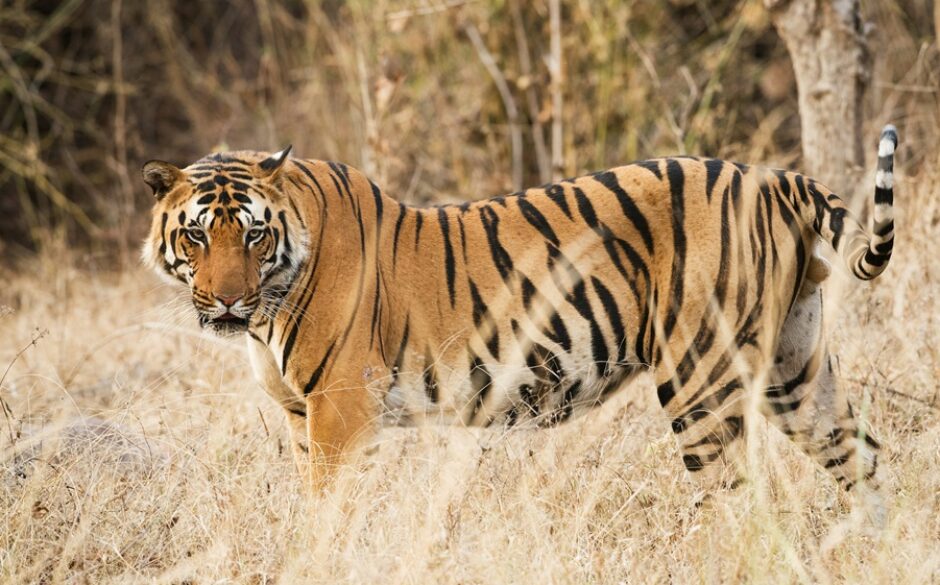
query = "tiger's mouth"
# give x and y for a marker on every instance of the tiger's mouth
(225, 324)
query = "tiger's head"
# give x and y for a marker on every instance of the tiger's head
(225, 227)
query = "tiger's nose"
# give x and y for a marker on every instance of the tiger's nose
(228, 301)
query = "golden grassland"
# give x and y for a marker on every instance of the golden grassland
(133, 448)
(136, 449)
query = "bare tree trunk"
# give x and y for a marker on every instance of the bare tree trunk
(555, 70)
(826, 42)
(936, 22)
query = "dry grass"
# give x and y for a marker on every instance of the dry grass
(144, 453)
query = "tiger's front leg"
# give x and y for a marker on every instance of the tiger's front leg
(342, 414)
(269, 378)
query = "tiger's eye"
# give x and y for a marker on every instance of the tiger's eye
(196, 235)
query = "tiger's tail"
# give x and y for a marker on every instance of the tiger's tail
(866, 256)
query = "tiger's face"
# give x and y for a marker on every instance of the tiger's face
(224, 227)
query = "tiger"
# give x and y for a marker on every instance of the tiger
(528, 309)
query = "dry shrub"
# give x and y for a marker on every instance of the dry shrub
(96, 87)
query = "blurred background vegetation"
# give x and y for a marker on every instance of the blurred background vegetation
(437, 100)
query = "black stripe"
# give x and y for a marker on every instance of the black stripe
(281, 215)
(709, 405)
(883, 195)
(310, 176)
(713, 168)
(676, 179)
(652, 166)
(342, 172)
(163, 219)
(419, 221)
(613, 317)
(544, 364)
(585, 208)
(666, 391)
(463, 239)
(293, 207)
(601, 355)
(376, 317)
(801, 189)
(559, 333)
(225, 159)
(784, 182)
(693, 462)
(449, 262)
(538, 221)
(240, 186)
(642, 348)
(884, 248)
(291, 338)
(377, 197)
(557, 194)
(875, 259)
(318, 371)
(402, 210)
(839, 461)
(479, 307)
(630, 210)
(501, 258)
(482, 317)
(837, 224)
(528, 292)
(884, 230)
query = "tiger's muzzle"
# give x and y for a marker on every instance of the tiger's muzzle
(225, 314)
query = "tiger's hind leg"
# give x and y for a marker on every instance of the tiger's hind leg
(706, 383)
(806, 402)
(708, 420)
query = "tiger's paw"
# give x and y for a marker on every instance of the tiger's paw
(868, 503)
(868, 518)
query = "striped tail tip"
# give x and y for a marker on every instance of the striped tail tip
(884, 177)
(875, 259)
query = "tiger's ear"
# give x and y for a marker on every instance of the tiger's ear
(270, 165)
(161, 176)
